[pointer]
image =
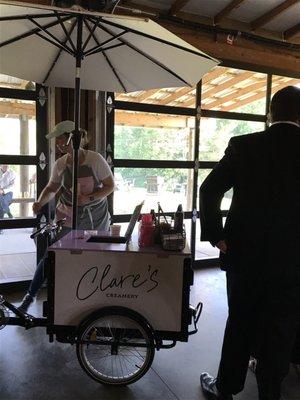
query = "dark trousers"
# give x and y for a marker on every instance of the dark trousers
(39, 275)
(5, 200)
(263, 315)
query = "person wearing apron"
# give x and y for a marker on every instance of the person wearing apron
(95, 183)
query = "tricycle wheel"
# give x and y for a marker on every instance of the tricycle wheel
(115, 346)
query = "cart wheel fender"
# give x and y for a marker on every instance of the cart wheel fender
(115, 310)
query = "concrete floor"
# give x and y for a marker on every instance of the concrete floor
(31, 368)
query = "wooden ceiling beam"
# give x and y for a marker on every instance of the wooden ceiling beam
(258, 96)
(11, 109)
(153, 120)
(143, 96)
(226, 10)
(223, 86)
(175, 96)
(214, 74)
(289, 33)
(254, 55)
(235, 95)
(177, 6)
(234, 80)
(268, 16)
(171, 97)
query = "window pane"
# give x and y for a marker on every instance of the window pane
(226, 201)
(215, 134)
(17, 255)
(148, 136)
(7, 81)
(17, 127)
(176, 97)
(168, 186)
(279, 82)
(19, 184)
(230, 89)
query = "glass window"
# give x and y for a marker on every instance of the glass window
(230, 89)
(148, 136)
(279, 82)
(168, 186)
(17, 127)
(19, 185)
(215, 134)
(7, 81)
(204, 250)
(17, 255)
(176, 97)
(226, 201)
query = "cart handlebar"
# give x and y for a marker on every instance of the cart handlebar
(48, 228)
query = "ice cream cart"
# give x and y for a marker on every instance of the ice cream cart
(117, 303)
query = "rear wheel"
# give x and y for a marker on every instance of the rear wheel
(115, 346)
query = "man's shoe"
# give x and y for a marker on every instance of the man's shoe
(26, 302)
(209, 388)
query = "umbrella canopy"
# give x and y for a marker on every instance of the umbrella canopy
(106, 52)
(119, 53)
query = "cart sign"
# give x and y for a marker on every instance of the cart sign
(146, 283)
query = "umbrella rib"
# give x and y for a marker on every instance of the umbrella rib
(149, 58)
(64, 46)
(160, 40)
(100, 50)
(106, 58)
(30, 33)
(91, 33)
(58, 55)
(114, 71)
(98, 47)
(68, 36)
(54, 43)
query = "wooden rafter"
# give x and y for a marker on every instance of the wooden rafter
(258, 96)
(184, 91)
(234, 80)
(145, 95)
(223, 86)
(175, 96)
(268, 16)
(210, 76)
(236, 94)
(177, 6)
(16, 109)
(289, 33)
(226, 10)
(153, 120)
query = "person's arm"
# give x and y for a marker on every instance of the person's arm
(212, 190)
(101, 192)
(47, 194)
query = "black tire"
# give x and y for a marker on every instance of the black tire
(123, 343)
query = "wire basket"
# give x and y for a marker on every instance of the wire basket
(173, 240)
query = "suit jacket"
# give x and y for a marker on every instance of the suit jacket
(262, 229)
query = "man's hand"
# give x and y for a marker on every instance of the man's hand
(36, 207)
(222, 246)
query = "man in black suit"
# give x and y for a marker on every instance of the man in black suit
(258, 249)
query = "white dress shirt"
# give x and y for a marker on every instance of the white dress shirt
(7, 180)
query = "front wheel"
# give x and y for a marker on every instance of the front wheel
(115, 346)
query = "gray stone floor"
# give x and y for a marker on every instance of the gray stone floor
(31, 368)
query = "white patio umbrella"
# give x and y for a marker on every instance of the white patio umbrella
(85, 50)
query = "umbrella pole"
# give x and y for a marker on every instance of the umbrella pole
(76, 138)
